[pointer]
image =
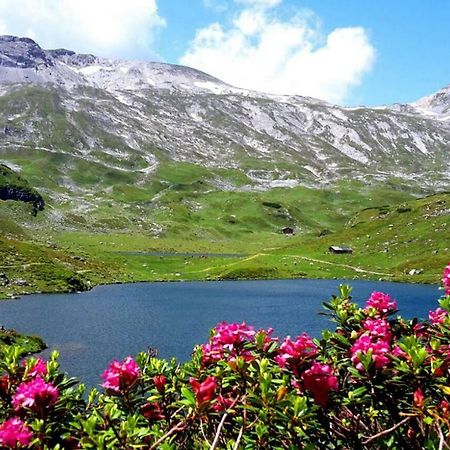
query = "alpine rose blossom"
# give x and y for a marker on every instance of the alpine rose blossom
(35, 394)
(320, 380)
(378, 347)
(14, 433)
(228, 340)
(446, 279)
(121, 375)
(293, 353)
(4, 384)
(445, 408)
(222, 403)
(378, 327)
(419, 398)
(152, 411)
(437, 316)
(232, 333)
(381, 302)
(160, 383)
(204, 391)
(38, 368)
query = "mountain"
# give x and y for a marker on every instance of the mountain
(436, 105)
(131, 119)
(107, 155)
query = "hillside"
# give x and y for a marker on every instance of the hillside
(409, 242)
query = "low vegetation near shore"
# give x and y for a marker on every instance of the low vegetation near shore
(376, 382)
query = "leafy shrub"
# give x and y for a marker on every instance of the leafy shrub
(376, 381)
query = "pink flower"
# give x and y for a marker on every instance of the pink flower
(15, 433)
(4, 384)
(378, 347)
(35, 394)
(233, 333)
(418, 398)
(294, 353)
(378, 328)
(38, 368)
(381, 302)
(160, 383)
(420, 330)
(437, 316)
(121, 375)
(204, 392)
(446, 279)
(212, 353)
(398, 352)
(152, 411)
(222, 403)
(445, 408)
(319, 380)
(228, 339)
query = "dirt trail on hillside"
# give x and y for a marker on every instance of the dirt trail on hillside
(356, 269)
(306, 258)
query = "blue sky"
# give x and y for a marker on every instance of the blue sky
(348, 52)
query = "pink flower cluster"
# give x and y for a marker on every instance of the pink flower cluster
(438, 316)
(378, 347)
(297, 356)
(383, 303)
(294, 354)
(35, 394)
(204, 391)
(376, 336)
(152, 411)
(15, 433)
(446, 279)
(228, 339)
(120, 376)
(160, 383)
(38, 368)
(378, 328)
(320, 380)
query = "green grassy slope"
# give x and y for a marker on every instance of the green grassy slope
(63, 249)
(391, 240)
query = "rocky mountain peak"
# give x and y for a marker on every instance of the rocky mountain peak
(22, 53)
(437, 103)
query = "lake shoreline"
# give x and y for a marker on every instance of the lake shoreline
(393, 279)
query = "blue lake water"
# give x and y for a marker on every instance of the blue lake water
(92, 328)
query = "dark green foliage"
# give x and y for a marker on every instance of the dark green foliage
(13, 187)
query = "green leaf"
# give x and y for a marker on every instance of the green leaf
(188, 395)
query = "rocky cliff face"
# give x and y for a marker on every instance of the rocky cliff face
(133, 117)
(13, 187)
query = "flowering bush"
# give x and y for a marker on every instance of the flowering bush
(376, 381)
(121, 376)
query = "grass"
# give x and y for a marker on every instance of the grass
(180, 211)
(388, 243)
(25, 344)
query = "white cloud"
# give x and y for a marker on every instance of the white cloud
(259, 3)
(106, 27)
(262, 52)
(219, 6)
